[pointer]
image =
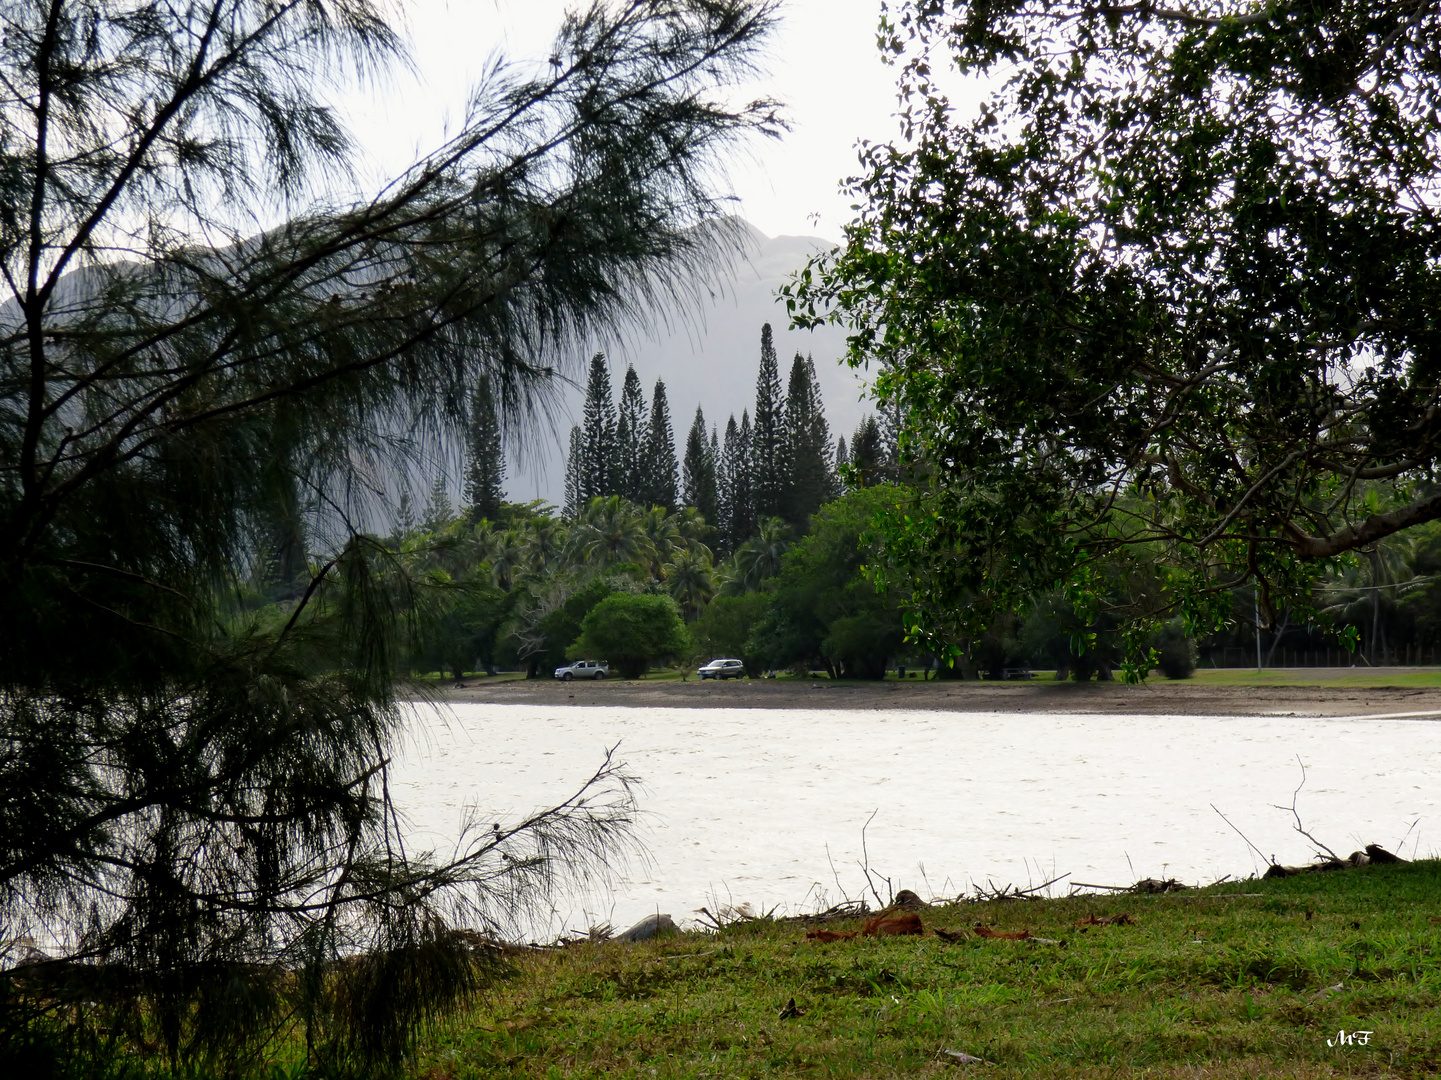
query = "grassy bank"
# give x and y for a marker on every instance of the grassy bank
(1346, 678)
(1229, 981)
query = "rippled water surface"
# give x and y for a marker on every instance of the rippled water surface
(743, 804)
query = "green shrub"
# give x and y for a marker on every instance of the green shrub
(631, 631)
(1178, 652)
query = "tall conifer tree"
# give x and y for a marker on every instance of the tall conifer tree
(743, 514)
(405, 515)
(769, 468)
(660, 487)
(485, 470)
(630, 436)
(831, 487)
(573, 466)
(598, 448)
(439, 512)
(732, 487)
(699, 469)
(867, 453)
(808, 446)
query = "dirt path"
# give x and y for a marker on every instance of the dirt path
(1156, 697)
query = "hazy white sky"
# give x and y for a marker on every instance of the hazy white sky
(823, 65)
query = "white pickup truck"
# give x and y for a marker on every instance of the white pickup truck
(583, 669)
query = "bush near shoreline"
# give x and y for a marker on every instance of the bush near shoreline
(1251, 978)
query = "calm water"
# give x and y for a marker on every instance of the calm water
(743, 804)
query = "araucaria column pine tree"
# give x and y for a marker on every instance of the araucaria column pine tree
(598, 458)
(630, 435)
(439, 512)
(743, 518)
(572, 501)
(735, 515)
(808, 446)
(661, 487)
(698, 469)
(867, 460)
(769, 468)
(194, 801)
(485, 464)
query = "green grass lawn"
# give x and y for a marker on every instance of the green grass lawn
(1355, 678)
(1212, 983)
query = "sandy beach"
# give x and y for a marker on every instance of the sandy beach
(1313, 697)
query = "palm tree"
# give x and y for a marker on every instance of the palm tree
(693, 528)
(507, 552)
(609, 532)
(760, 556)
(730, 576)
(545, 545)
(662, 530)
(690, 579)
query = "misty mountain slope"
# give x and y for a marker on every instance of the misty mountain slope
(709, 356)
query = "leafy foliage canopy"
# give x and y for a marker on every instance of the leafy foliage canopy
(1172, 287)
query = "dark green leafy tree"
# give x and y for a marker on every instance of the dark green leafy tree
(194, 800)
(283, 569)
(632, 631)
(725, 626)
(661, 486)
(485, 464)
(460, 625)
(599, 456)
(1174, 283)
(699, 469)
(608, 532)
(723, 471)
(713, 454)
(559, 627)
(630, 435)
(824, 611)
(770, 471)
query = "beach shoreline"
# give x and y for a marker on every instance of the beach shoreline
(1155, 697)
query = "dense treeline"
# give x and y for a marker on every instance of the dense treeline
(751, 539)
(781, 464)
(759, 541)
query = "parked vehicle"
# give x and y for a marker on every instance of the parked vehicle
(722, 669)
(584, 669)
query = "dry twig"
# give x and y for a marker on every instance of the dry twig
(1300, 828)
